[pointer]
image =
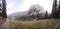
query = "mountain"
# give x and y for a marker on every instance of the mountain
(20, 15)
(24, 15)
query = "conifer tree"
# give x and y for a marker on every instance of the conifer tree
(54, 9)
(4, 9)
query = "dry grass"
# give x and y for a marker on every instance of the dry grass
(41, 24)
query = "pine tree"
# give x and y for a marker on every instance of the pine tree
(54, 9)
(4, 9)
(0, 9)
(46, 15)
(59, 10)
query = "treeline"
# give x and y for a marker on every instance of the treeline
(36, 11)
(54, 14)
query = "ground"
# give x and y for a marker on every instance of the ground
(39, 24)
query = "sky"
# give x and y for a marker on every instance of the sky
(24, 5)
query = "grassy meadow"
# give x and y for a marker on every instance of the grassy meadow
(39, 24)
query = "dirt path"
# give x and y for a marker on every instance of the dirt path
(6, 25)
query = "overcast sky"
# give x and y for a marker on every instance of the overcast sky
(23, 5)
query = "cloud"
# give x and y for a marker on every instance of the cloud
(13, 6)
(10, 8)
(47, 4)
(24, 5)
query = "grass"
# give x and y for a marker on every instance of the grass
(40, 24)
